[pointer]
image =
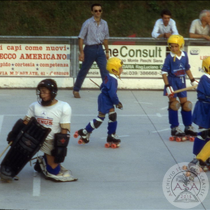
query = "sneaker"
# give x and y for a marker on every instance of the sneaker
(76, 94)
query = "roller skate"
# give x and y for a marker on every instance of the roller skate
(177, 135)
(194, 168)
(84, 136)
(190, 133)
(112, 141)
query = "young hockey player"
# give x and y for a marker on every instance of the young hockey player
(56, 115)
(106, 101)
(201, 117)
(52, 114)
(174, 70)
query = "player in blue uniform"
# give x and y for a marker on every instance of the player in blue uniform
(106, 101)
(201, 117)
(174, 70)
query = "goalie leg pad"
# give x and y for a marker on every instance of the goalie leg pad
(19, 125)
(26, 145)
(64, 175)
(60, 147)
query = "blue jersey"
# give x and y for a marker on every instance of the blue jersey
(178, 67)
(176, 71)
(201, 113)
(108, 97)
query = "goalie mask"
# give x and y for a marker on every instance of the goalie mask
(206, 65)
(51, 85)
(176, 39)
(114, 64)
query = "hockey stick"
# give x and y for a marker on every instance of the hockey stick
(94, 82)
(6, 149)
(185, 89)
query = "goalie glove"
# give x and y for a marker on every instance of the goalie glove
(119, 106)
(194, 82)
(170, 91)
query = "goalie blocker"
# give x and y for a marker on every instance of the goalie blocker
(60, 147)
(26, 144)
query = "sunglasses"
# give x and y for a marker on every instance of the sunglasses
(97, 10)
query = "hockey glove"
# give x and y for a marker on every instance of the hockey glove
(194, 82)
(119, 106)
(170, 91)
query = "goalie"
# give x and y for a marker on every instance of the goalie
(46, 126)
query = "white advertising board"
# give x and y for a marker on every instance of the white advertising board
(39, 60)
(196, 54)
(139, 60)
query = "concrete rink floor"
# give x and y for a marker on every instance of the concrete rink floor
(129, 177)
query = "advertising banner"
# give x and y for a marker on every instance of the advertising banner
(139, 60)
(196, 54)
(31, 60)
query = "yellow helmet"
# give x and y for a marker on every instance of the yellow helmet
(206, 65)
(114, 64)
(176, 39)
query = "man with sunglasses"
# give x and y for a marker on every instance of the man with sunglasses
(94, 33)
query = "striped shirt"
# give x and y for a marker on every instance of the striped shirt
(92, 33)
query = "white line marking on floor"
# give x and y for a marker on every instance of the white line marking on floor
(1, 121)
(164, 108)
(139, 102)
(122, 136)
(161, 130)
(159, 115)
(36, 184)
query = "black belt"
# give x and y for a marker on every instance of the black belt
(94, 45)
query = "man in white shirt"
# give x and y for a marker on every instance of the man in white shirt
(165, 26)
(200, 27)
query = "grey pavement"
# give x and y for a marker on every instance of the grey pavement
(129, 177)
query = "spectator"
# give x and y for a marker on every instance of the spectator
(200, 27)
(93, 34)
(165, 26)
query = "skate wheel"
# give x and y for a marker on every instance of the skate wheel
(113, 146)
(188, 174)
(178, 139)
(192, 139)
(184, 168)
(184, 138)
(107, 145)
(80, 141)
(76, 134)
(171, 138)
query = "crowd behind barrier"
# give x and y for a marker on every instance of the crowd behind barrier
(23, 57)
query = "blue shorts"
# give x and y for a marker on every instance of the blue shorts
(201, 114)
(104, 103)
